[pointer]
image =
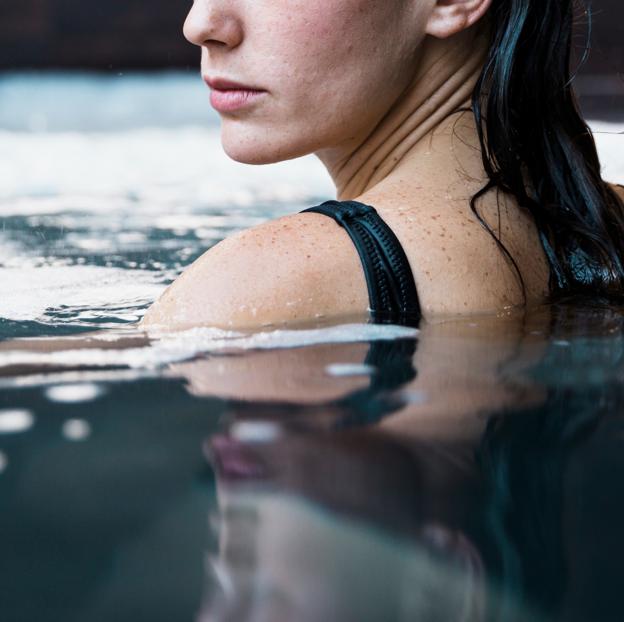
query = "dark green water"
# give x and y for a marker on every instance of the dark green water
(473, 474)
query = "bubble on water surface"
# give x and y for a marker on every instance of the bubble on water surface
(15, 421)
(74, 393)
(41, 293)
(76, 430)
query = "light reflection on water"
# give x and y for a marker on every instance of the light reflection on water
(15, 421)
(76, 430)
(74, 393)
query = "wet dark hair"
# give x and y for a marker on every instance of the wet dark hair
(536, 146)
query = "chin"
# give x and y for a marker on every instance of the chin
(260, 146)
(247, 154)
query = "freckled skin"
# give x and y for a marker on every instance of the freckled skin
(374, 90)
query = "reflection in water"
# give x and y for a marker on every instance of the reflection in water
(468, 473)
(554, 473)
(285, 560)
(481, 503)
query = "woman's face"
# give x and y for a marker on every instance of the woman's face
(327, 71)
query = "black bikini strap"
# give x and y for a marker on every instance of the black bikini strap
(391, 286)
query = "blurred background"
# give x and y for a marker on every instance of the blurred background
(146, 35)
(131, 35)
(108, 35)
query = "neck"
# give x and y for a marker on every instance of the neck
(443, 83)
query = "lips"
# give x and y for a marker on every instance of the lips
(235, 461)
(229, 96)
(222, 84)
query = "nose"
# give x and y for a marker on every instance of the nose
(210, 23)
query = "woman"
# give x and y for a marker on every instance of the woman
(452, 126)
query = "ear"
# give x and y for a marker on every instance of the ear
(449, 17)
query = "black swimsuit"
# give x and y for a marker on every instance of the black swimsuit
(391, 286)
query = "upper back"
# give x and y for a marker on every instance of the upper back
(305, 265)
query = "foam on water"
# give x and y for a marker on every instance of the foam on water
(44, 293)
(176, 347)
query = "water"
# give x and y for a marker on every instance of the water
(470, 470)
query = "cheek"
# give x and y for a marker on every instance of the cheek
(307, 48)
(332, 72)
(336, 40)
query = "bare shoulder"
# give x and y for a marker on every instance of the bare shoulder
(304, 265)
(284, 270)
